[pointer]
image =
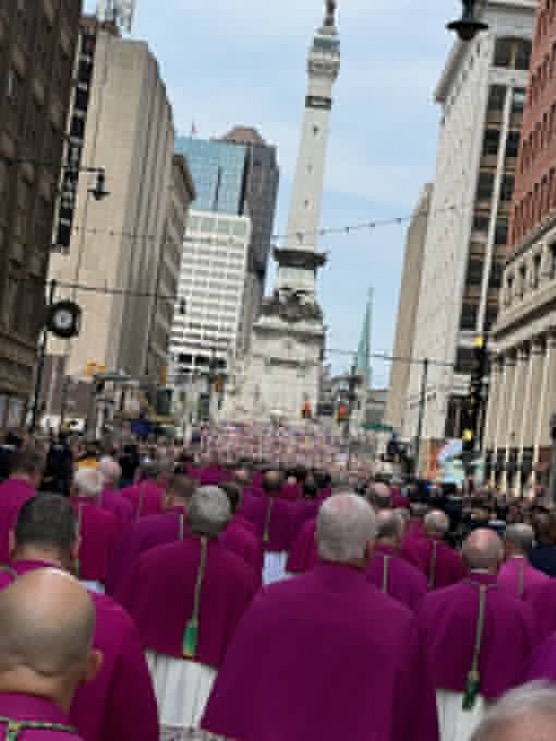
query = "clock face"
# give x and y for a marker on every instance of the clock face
(63, 320)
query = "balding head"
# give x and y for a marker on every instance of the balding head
(390, 527)
(346, 529)
(110, 470)
(47, 620)
(518, 540)
(436, 524)
(88, 482)
(209, 511)
(526, 713)
(179, 491)
(272, 482)
(379, 496)
(483, 550)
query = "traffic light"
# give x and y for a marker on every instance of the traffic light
(306, 411)
(342, 414)
(471, 416)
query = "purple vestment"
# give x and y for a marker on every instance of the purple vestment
(273, 518)
(440, 564)
(114, 502)
(542, 600)
(543, 662)
(99, 531)
(145, 534)
(100, 710)
(449, 618)
(324, 656)
(145, 497)
(397, 578)
(14, 493)
(161, 599)
(241, 540)
(517, 576)
(303, 554)
(20, 707)
(303, 511)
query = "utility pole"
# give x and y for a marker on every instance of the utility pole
(422, 410)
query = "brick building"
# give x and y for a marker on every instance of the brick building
(523, 376)
(37, 52)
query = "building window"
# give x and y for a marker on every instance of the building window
(501, 233)
(491, 142)
(522, 280)
(496, 98)
(474, 272)
(512, 144)
(464, 360)
(536, 276)
(518, 102)
(485, 186)
(469, 314)
(507, 188)
(512, 53)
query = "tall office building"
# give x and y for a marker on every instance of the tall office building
(523, 373)
(410, 290)
(482, 94)
(117, 243)
(238, 175)
(37, 52)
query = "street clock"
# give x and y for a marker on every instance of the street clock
(64, 320)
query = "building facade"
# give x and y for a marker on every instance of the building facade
(238, 175)
(118, 244)
(281, 376)
(37, 50)
(408, 303)
(523, 372)
(482, 95)
(212, 284)
(168, 299)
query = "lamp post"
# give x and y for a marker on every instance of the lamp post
(468, 26)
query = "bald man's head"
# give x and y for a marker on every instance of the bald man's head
(390, 527)
(526, 713)
(47, 620)
(436, 524)
(272, 481)
(483, 550)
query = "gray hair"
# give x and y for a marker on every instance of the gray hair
(533, 700)
(482, 549)
(209, 511)
(346, 524)
(110, 469)
(436, 523)
(89, 482)
(520, 537)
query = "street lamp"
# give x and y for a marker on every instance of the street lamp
(468, 26)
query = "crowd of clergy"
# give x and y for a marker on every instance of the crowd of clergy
(148, 594)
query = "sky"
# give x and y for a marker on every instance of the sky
(228, 62)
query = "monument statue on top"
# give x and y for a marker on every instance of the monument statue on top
(331, 7)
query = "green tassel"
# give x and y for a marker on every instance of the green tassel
(77, 568)
(190, 639)
(14, 731)
(472, 687)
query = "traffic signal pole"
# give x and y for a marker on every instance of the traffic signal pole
(421, 418)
